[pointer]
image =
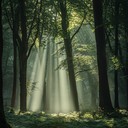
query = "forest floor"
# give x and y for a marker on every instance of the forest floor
(70, 120)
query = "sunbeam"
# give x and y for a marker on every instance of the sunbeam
(37, 76)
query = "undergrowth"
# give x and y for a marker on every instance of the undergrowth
(70, 120)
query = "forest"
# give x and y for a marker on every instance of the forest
(63, 63)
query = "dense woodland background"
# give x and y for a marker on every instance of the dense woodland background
(60, 56)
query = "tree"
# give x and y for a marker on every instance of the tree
(68, 49)
(23, 56)
(26, 28)
(104, 94)
(3, 121)
(17, 23)
(23, 29)
(116, 31)
(116, 52)
(126, 63)
(14, 15)
(124, 5)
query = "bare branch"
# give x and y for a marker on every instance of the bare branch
(79, 27)
(34, 17)
(38, 24)
(30, 49)
(15, 24)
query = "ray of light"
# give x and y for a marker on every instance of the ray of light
(38, 77)
(52, 93)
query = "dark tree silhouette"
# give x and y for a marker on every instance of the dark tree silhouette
(116, 53)
(15, 23)
(23, 57)
(3, 122)
(104, 94)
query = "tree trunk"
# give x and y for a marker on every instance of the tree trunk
(15, 29)
(23, 57)
(125, 69)
(14, 75)
(116, 54)
(23, 89)
(3, 123)
(68, 49)
(125, 6)
(104, 94)
(45, 99)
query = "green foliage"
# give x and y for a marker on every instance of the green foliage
(116, 63)
(84, 57)
(69, 120)
(31, 86)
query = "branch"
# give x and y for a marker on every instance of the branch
(30, 49)
(31, 27)
(15, 24)
(34, 40)
(78, 28)
(38, 24)
(84, 70)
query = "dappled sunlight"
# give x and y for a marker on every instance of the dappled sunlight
(68, 120)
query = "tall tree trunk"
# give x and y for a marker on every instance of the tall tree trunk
(45, 99)
(104, 93)
(13, 98)
(125, 7)
(68, 48)
(23, 89)
(15, 29)
(3, 122)
(23, 57)
(126, 68)
(116, 53)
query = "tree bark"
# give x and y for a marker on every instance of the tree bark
(23, 57)
(104, 94)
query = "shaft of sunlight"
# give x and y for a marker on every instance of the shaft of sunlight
(35, 98)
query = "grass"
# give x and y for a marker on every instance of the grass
(70, 120)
